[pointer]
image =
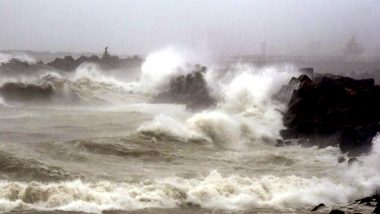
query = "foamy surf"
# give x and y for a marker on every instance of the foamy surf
(131, 154)
(246, 112)
(214, 191)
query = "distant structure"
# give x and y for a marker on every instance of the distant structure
(106, 54)
(353, 50)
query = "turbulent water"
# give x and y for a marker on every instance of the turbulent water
(99, 145)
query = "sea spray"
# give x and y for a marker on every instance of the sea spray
(246, 112)
(158, 69)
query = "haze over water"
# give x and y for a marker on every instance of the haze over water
(99, 143)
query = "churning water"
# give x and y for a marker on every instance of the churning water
(99, 145)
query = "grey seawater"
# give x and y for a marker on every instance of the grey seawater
(93, 159)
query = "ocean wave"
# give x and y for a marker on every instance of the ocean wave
(87, 85)
(13, 167)
(112, 149)
(232, 192)
(5, 58)
(246, 112)
(165, 128)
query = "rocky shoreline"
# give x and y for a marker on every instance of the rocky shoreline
(333, 110)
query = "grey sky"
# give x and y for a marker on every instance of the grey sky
(220, 26)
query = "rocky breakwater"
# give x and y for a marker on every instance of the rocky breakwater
(333, 110)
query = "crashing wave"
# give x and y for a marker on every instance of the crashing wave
(87, 85)
(214, 191)
(245, 112)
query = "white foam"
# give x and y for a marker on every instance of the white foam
(158, 68)
(220, 127)
(366, 174)
(232, 192)
(163, 125)
(246, 112)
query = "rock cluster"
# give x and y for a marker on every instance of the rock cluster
(190, 89)
(365, 205)
(334, 110)
(107, 61)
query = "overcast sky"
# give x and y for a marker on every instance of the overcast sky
(220, 26)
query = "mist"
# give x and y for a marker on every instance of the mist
(221, 27)
(217, 106)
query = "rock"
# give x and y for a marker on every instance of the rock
(319, 206)
(377, 209)
(353, 161)
(366, 200)
(281, 143)
(334, 110)
(190, 90)
(341, 159)
(336, 212)
(369, 200)
(286, 91)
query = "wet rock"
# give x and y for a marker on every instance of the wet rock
(190, 89)
(369, 200)
(353, 161)
(366, 200)
(377, 209)
(341, 159)
(336, 212)
(281, 143)
(340, 109)
(319, 206)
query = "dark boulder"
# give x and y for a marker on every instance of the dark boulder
(334, 110)
(341, 159)
(336, 212)
(286, 91)
(190, 89)
(319, 206)
(371, 200)
(353, 161)
(377, 209)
